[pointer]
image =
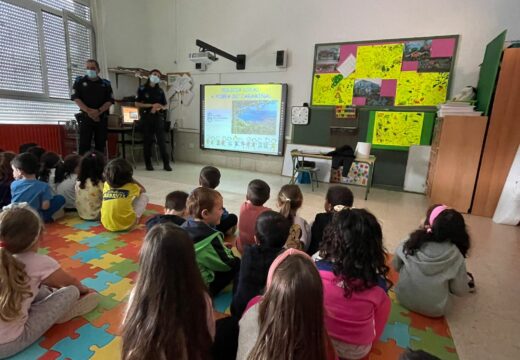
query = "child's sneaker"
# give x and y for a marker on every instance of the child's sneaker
(84, 305)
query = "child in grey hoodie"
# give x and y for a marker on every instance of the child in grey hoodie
(431, 263)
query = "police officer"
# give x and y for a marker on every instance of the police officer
(151, 102)
(94, 97)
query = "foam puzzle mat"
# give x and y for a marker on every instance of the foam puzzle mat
(108, 263)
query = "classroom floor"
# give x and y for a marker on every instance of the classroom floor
(484, 325)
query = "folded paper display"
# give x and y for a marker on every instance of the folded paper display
(362, 150)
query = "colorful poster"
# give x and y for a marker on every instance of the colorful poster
(397, 128)
(404, 72)
(379, 61)
(332, 89)
(422, 88)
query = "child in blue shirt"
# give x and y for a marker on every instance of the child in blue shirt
(38, 194)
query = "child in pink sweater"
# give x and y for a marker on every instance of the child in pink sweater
(354, 274)
(258, 192)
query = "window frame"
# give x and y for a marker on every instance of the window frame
(66, 16)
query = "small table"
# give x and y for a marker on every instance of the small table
(298, 156)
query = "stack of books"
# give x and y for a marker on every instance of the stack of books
(457, 108)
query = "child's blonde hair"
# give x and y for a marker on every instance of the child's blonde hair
(20, 228)
(201, 199)
(290, 199)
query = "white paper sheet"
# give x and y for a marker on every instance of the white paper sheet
(348, 66)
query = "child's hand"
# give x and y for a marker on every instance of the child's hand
(83, 290)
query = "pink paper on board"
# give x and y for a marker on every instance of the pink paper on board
(345, 51)
(442, 48)
(359, 101)
(410, 66)
(388, 87)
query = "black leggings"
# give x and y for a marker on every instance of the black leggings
(152, 126)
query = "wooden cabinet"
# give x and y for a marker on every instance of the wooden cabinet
(456, 148)
(503, 136)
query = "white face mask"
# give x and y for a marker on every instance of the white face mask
(154, 79)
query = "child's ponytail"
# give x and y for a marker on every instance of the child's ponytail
(14, 285)
(290, 199)
(441, 224)
(285, 209)
(20, 228)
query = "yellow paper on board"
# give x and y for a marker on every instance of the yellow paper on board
(379, 61)
(397, 128)
(424, 89)
(332, 89)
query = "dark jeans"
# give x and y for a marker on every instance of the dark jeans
(89, 128)
(226, 339)
(152, 126)
(223, 279)
(56, 203)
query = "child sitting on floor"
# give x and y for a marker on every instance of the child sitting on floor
(431, 263)
(257, 194)
(35, 293)
(6, 177)
(65, 180)
(38, 194)
(354, 274)
(272, 230)
(89, 185)
(169, 314)
(338, 197)
(175, 210)
(290, 199)
(210, 178)
(287, 322)
(217, 263)
(49, 161)
(124, 201)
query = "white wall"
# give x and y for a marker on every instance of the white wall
(259, 28)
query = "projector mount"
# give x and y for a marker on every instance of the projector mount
(240, 60)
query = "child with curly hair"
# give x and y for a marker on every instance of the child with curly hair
(355, 282)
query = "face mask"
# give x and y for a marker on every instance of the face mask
(154, 79)
(91, 73)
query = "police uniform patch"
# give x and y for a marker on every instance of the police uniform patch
(85, 84)
(146, 95)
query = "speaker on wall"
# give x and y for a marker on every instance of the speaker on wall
(281, 58)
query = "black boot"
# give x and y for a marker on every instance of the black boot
(167, 167)
(149, 166)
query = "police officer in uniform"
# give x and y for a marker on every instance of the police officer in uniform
(151, 102)
(94, 97)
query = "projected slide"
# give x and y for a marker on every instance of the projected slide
(246, 118)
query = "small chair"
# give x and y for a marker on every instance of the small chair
(304, 167)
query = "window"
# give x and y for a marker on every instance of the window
(43, 48)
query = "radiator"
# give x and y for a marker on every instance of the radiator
(50, 137)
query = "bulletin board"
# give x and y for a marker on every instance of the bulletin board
(398, 130)
(398, 72)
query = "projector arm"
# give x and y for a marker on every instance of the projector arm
(240, 60)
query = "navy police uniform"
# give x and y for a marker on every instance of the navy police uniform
(94, 93)
(152, 125)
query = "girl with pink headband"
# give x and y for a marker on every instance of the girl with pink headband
(287, 322)
(431, 263)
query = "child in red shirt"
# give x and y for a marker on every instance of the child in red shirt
(258, 193)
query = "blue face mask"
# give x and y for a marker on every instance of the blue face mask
(91, 73)
(154, 79)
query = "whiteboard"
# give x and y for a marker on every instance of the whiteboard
(417, 168)
(323, 165)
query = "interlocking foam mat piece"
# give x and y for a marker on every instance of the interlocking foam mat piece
(107, 262)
